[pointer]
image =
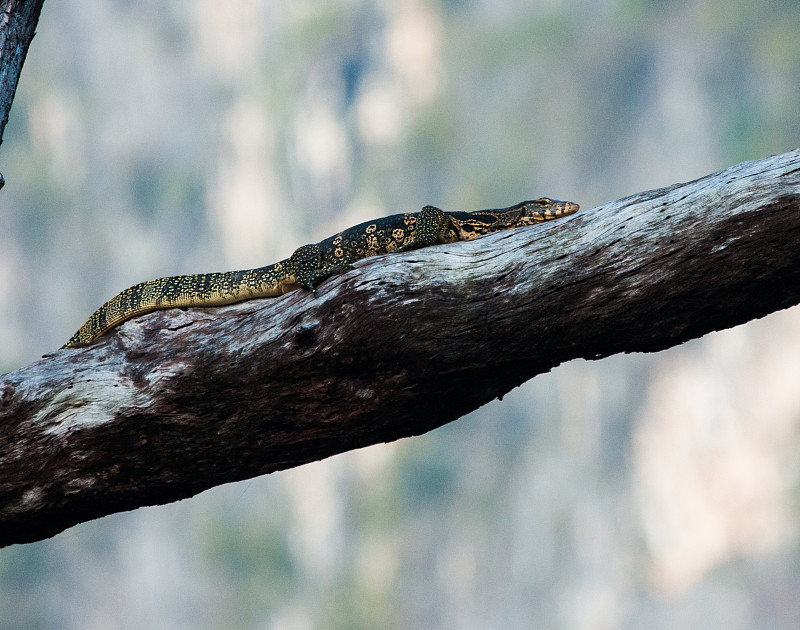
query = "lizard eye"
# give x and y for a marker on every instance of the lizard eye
(544, 201)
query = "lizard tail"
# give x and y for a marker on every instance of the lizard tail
(208, 289)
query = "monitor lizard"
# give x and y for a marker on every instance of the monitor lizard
(309, 265)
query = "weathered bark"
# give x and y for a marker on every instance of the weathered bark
(18, 20)
(176, 402)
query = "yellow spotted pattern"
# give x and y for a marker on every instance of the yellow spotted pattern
(309, 265)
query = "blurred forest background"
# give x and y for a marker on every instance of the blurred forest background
(657, 491)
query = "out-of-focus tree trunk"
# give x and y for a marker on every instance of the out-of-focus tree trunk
(18, 20)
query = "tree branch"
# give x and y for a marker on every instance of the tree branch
(176, 402)
(18, 20)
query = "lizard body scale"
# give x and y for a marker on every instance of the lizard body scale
(309, 265)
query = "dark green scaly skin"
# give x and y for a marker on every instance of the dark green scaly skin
(309, 265)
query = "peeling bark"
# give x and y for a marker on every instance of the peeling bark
(176, 402)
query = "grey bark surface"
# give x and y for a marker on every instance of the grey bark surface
(176, 402)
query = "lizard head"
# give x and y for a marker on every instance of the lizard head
(525, 213)
(536, 211)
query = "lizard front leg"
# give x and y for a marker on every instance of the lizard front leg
(432, 228)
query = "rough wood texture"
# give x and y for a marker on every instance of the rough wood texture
(176, 402)
(18, 20)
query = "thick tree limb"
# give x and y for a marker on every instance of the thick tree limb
(176, 402)
(18, 20)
